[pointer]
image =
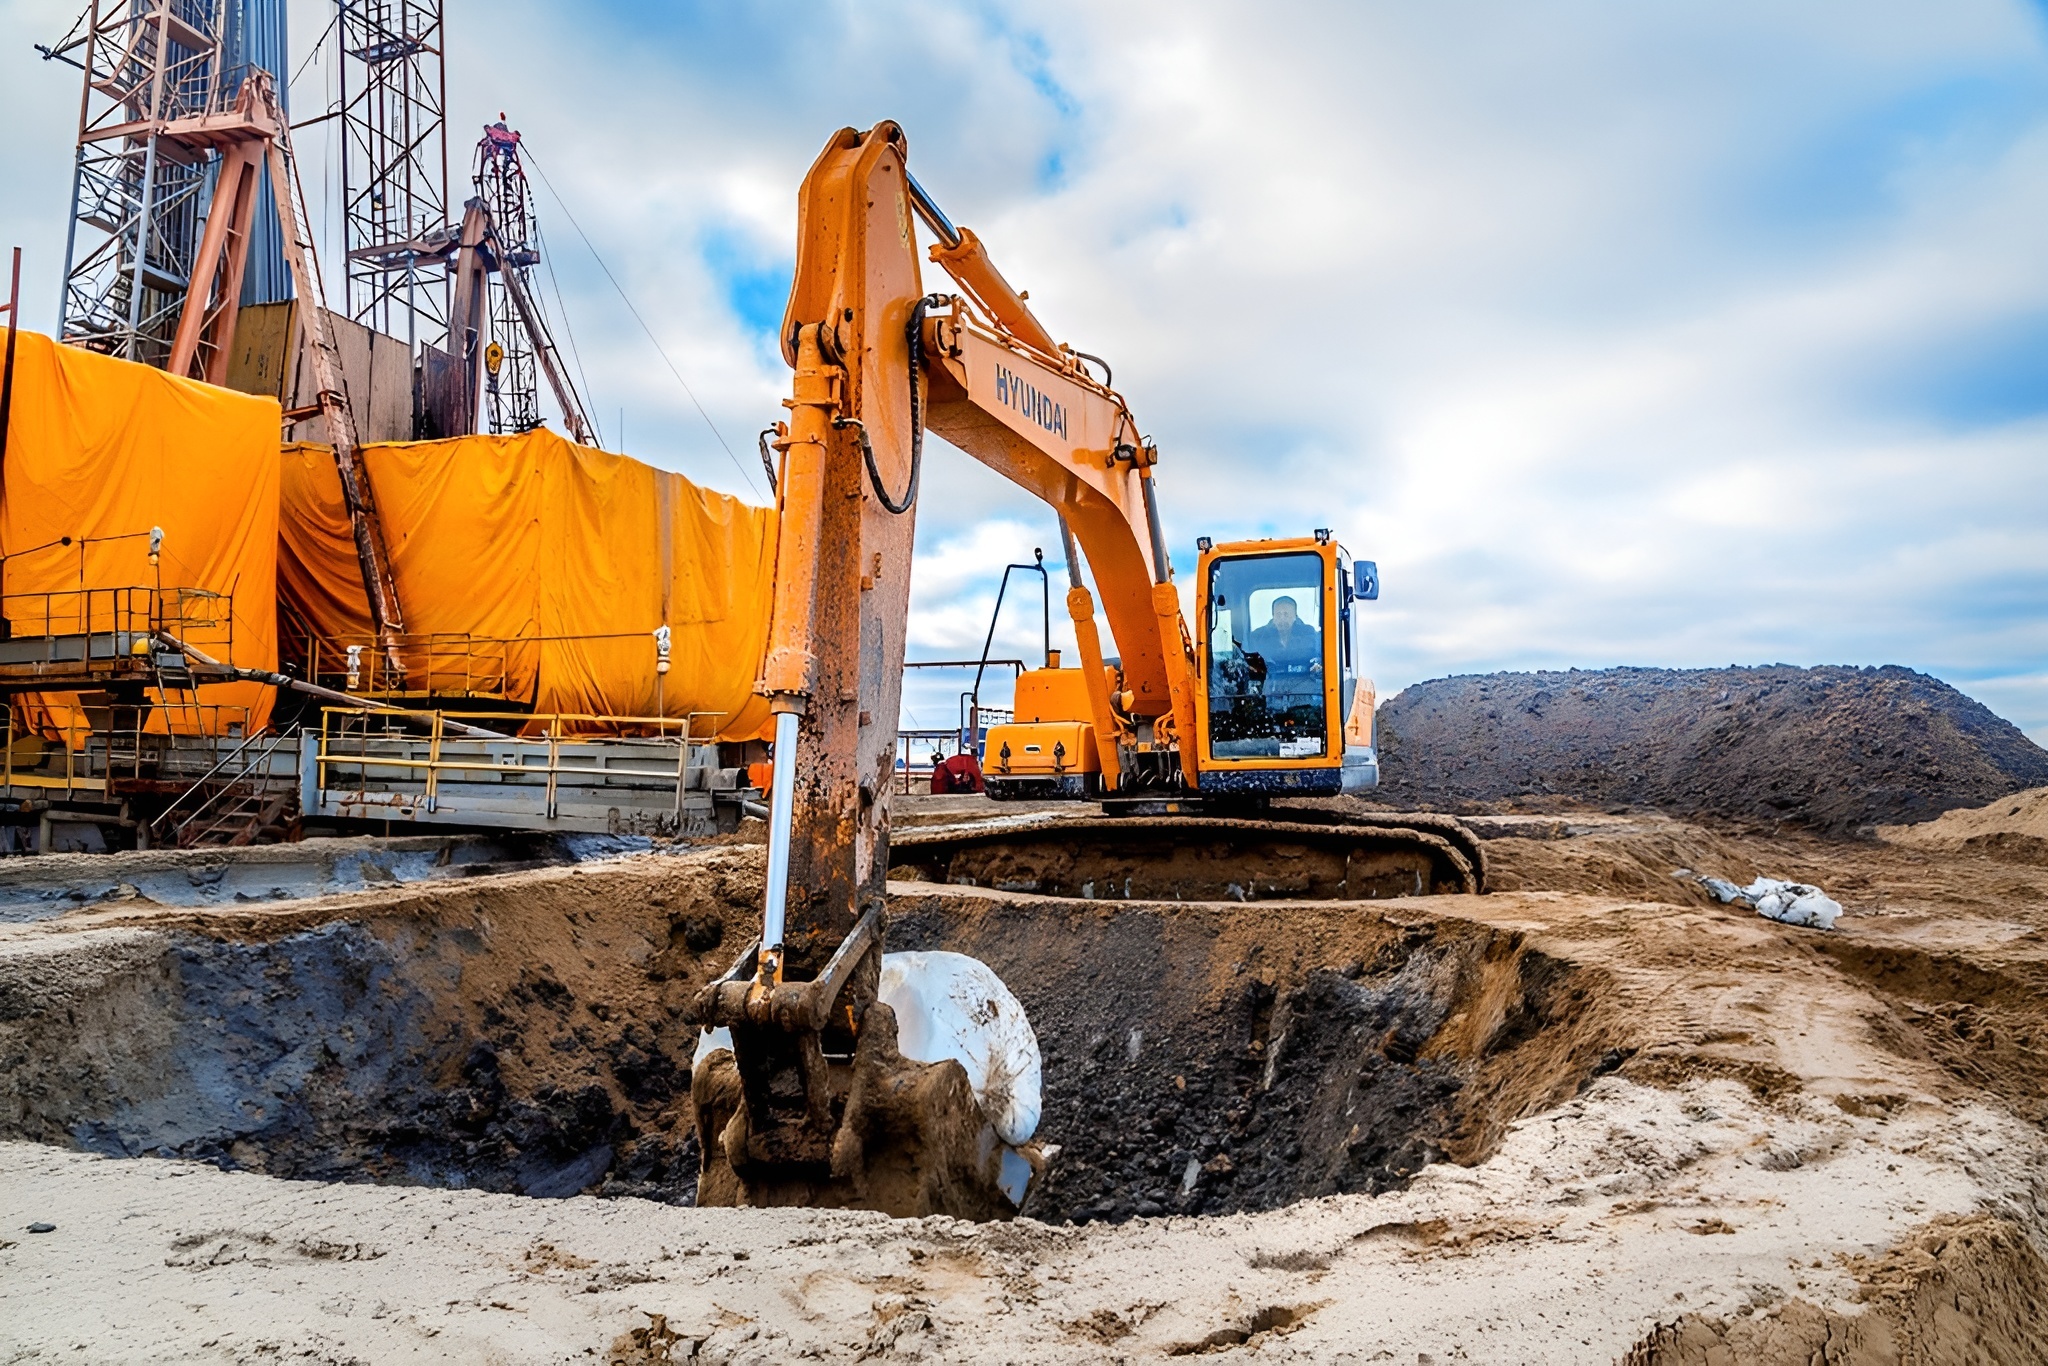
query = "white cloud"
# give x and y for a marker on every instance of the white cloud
(1684, 334)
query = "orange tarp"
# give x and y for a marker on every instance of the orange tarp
(463, 529)
(103, 450)
(557, 563)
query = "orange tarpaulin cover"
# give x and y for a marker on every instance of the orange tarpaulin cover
(102, 450)
(550, 565)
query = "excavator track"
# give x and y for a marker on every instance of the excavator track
(1287, 854)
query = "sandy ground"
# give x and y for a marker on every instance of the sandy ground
(1813, 1147)
(2023, 815)
(1593, 1224)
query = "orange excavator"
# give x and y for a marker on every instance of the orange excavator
(1185, 738)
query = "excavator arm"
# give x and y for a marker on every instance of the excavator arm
(814, 1104)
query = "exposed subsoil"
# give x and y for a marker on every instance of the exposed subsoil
(523, 1034)
(1836, 750)
(1593, 1113)
(517, 1033)
(1199, 1061)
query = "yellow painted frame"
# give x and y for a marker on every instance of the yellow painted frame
(1333, 682)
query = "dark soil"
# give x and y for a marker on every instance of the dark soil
(1836, 750)
(526, 1035)
(1197, 1065)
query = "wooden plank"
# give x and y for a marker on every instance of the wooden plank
(389, 416)
(259, 356)
(46, 784)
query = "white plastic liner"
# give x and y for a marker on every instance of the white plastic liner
(1794, 903)
(951, 1006)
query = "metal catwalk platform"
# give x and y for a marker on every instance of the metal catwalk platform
(391, 768)
(550, 782)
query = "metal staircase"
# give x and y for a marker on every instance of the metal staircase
(238, 801)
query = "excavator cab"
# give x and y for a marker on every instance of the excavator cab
(1279, 707)
(1280, 710)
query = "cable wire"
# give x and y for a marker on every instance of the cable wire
(627, 300)
(321, 42)
(547, 258)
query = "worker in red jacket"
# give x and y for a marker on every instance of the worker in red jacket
(961, 773)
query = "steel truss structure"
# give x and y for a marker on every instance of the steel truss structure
(511, 379)
(152, 67)
(396, 235)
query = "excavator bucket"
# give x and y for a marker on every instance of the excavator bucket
(784, 1117)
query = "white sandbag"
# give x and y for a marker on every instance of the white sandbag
(951, 1006)
(1794, 903)
(1724, 891)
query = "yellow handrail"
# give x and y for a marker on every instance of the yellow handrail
(336, 730)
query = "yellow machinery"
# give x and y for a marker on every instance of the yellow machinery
(1279, 707)
(813, 1104)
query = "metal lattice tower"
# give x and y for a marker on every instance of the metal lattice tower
(512, 386)
(151, 67)
(394, 167)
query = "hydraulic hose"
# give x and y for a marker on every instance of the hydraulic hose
(898, 506)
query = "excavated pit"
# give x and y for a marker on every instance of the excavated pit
(1208, 1059)
(523, 1033)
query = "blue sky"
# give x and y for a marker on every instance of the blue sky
(1690, 333)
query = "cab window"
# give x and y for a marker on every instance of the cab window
(1264, 672)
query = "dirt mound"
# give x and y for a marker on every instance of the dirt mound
(1834, 749)
(1961, 1290)
(2012, 829)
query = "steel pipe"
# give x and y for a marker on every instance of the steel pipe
(781, 817)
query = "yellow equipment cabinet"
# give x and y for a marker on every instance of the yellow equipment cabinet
(1048, 750)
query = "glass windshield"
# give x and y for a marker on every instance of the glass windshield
(1265, 665)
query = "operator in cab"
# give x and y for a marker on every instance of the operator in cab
(1291, 649)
